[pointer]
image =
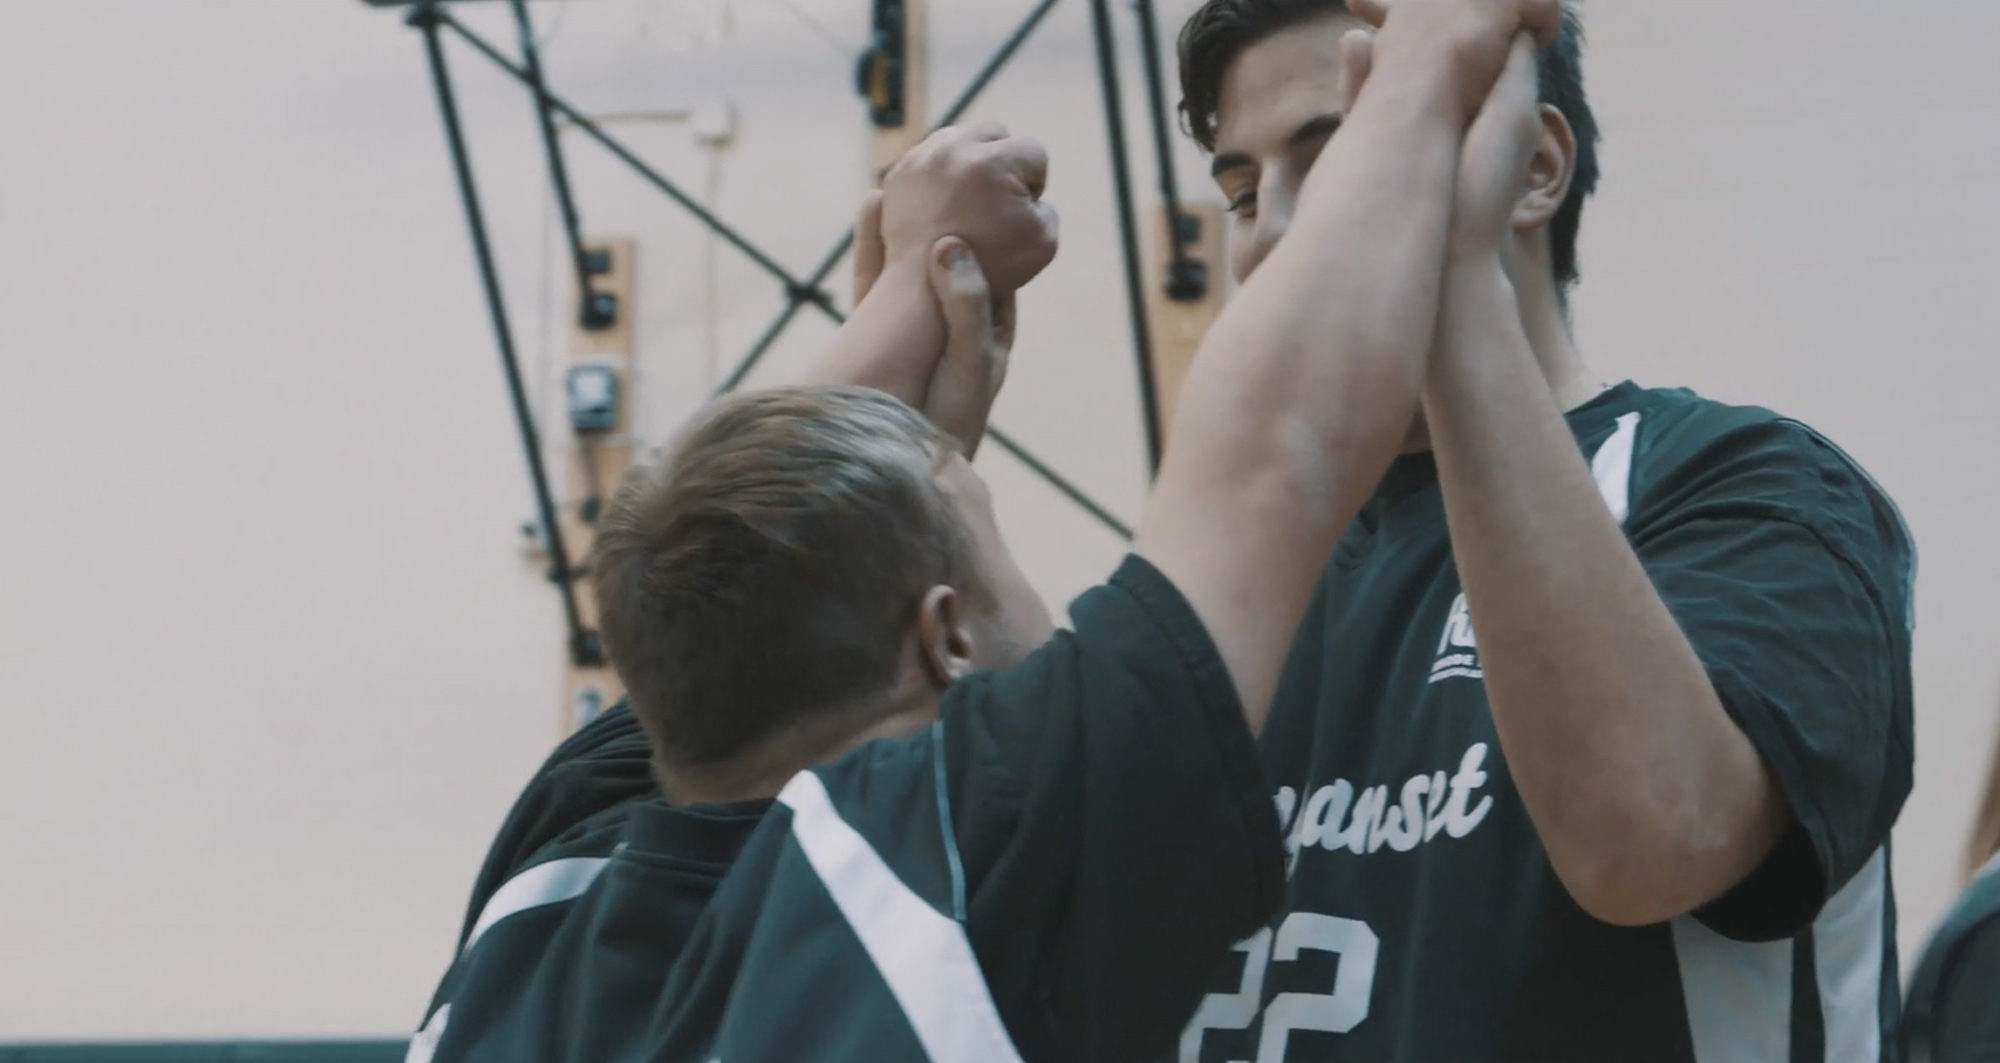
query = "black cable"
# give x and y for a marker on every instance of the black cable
(1069, 490)
(1000, 57)
(639, 166)
(791, 310)
(591, 311)
(1185, 279)
(1128, 229)
(583, 643)
(799, 293)
(959, 106)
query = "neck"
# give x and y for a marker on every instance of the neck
(820, 736)
(1561, 364)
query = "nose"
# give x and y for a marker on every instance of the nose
(1274, 216)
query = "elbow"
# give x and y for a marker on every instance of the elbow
(1642, 876)
(1637, 863)
(1620, 896)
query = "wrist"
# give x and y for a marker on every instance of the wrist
(1420, 83)
(1469, 253)
(1476, 279)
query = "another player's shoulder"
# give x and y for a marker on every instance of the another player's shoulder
(1959, 965)
(579, 791)
(1679, 427)
(1731, 460)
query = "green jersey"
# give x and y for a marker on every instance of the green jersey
(1051, 871)
(1422, 921)
(1952, 1014)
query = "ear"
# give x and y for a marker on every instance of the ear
(943, 642)
(1549, 173)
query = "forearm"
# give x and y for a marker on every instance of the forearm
(1326, 346)
(1305, 387)
(893, 339)
(1648, 799)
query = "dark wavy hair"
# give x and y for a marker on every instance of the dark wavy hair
(1220, 30)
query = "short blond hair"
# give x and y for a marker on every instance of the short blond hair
(769, 564)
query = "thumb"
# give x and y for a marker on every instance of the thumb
(1373, 12)
(962, 293)
(964, 384)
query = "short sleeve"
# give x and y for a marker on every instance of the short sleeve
(1790, 573)
(1116, 830)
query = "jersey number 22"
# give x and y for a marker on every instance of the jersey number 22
(1334, 1012)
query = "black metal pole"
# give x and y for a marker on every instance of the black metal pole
(590, 311)
(1128, 231)
(1185, 280)
(958, 107)
(1000, 57)
(777, 327)
(801, 292)
(583, 643)
(1069, 490)
(639, 166)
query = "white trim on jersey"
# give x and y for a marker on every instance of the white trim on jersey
(549, 883)
(922, 955)
(424, 1045)
(1847, 952)
(1738, 994)
(542, 884)
(1612, 467)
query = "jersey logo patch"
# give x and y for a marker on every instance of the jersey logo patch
(1458, 648)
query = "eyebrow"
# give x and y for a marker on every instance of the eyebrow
(1318, 127)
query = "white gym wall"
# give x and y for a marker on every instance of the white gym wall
(271, 661)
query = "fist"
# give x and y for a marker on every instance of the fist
(981, 185)
(1473, 37)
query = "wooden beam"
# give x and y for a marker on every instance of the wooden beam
(592, 465)
(1179, 325)
(891, 140)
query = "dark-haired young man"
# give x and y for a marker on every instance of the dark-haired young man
(867, 852)
(1644, 813)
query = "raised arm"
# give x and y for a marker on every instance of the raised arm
(1307, 384)
(917, 326)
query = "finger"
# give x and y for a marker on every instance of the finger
(1357, 59)
(1051, 235)
(1543, 18)
(986, 130)
(963, 294)
(963, 385)
(1031, 162)
(869, 252)
(931, 144)
(1373, 12)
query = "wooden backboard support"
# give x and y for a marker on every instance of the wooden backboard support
(894, 79)
(1178, 326)
(592, 465)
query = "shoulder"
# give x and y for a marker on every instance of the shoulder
(1696, 457)
(1680, 432)
(585, 782)
(1134, 627)
(1959, 971)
